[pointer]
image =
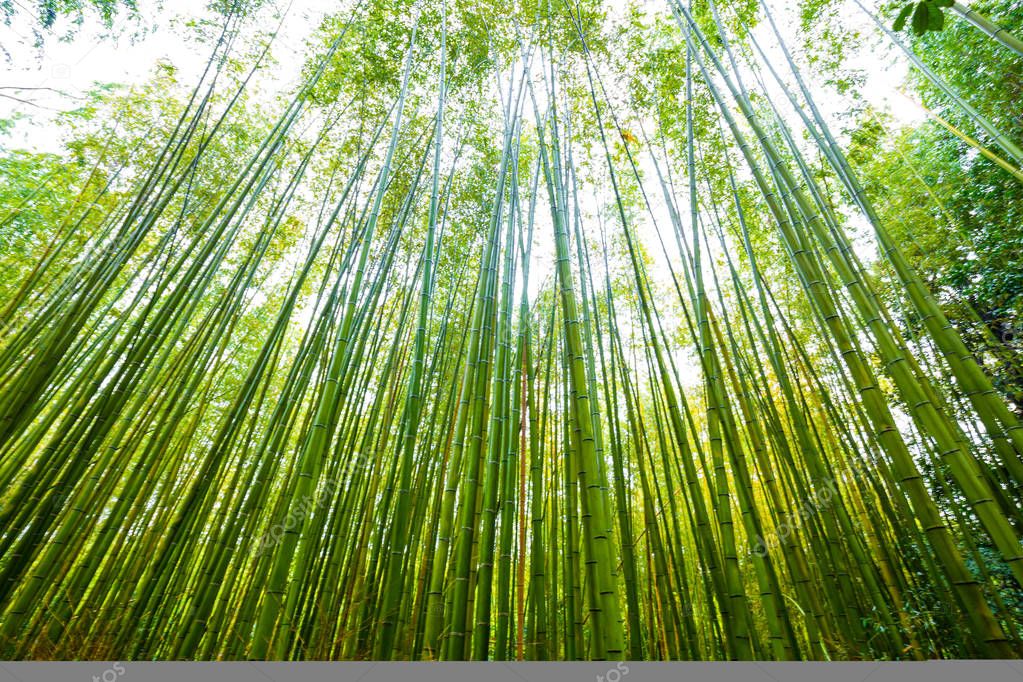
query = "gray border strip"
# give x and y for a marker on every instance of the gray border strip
(370, 671)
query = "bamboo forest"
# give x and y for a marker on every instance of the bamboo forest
(515, 330)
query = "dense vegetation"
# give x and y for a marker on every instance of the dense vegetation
(546, 330)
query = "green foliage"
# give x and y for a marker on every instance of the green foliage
(48, 12)
(923, 16)
(306, 373)
(960, 215)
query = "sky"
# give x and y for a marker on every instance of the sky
(62, 70)
(54, 76)
(72, 66)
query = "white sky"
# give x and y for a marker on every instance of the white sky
(73, 66)
(62, 70)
